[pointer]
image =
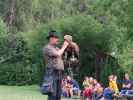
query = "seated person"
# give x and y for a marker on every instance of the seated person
(108, 93)
(96, 87)
(64, 90)
(99, 93)
(88, 87)
(69, 87)
(76, 88)
(126, 83)
(110, 90)
(116, 89)
(112, 84)
(86, 82)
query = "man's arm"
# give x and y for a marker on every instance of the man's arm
(126, 86)
(64, 46)
(56, 52)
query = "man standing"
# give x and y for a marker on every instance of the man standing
(54, 63)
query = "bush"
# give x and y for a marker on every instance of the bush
(15, 59)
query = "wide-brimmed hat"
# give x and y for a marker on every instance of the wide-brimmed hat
(53, 33)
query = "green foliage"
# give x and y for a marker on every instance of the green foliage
(130, 20)
(15, 59)
(98, 26)
(126, 58)
(2, 27)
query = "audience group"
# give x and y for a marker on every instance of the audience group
(93, 90)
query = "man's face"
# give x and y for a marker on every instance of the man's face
(69, 78)
(126, 76)
(94, 81)
(54, 40)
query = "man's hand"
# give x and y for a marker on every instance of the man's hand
(65, 43)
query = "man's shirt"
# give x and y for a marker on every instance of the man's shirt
(52, 59)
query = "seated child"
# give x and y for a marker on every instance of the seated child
(88, 87)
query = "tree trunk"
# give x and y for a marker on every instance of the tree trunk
(10, 15)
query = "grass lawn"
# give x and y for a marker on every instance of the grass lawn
(22, 93)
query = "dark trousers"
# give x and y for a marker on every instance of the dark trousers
(53, 98)
(57, 87)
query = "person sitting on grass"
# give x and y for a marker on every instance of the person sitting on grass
(69, 87)
(99, 94)
(86, 82)
(72, 87)
(126, 84)
(112, 84)
(75, 88)
(109, 91)
(88, 87)
(116, 90)
(64, 90)
(96, 87)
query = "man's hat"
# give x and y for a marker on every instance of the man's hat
(53, 33)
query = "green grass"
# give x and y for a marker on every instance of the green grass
(22, 93)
